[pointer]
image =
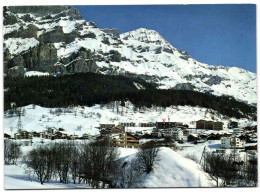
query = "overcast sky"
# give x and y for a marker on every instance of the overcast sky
(213, 34)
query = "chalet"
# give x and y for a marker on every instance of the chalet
(23, 135)
(213, 136)
(72, 137)
(46, 135)
(7, 136)
(166, 125)
(150, 124)
(106, 126)
(210, 125)
(156, 134)
(61, 129)
(182, 126)
(193, 137)
(36, 134)
(118, 129)
(60, 135)
(51, 130)
(126, 124)
(201, 124)
(186, 132)
(232, 124)
(203, 136)
(126, 140)
(105, 132)
(218, 125)
(84, 136)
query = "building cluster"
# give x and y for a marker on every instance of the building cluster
(237, 138)
(50, 133)
(122, 136)
(241, 138)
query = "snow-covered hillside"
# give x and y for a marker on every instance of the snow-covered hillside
(66, 38)
(172, 170)
(89, 118)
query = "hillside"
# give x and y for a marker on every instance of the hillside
(58, 39)
(91, 88)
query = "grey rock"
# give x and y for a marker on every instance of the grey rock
(17, 71)
(10, 20)
(27, 18)
(89, 35)
(114, 56)
(18, 68)
(158, 50)
(184, 86)
(113, 32)
(214, 80)
(167, 50)
(57, 35)
(29, 32)
(91, 23)
(185, 57)
(37, 10)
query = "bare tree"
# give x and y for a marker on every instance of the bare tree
(41, 160)
(12, 151)
(129, 174)
(63, 160)
(147, 156)
(75, 163)
(98, 162)
(252, 172)
(221, 168)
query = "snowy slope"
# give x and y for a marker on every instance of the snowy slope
(143, 53)
(16, 178)
(173, 170)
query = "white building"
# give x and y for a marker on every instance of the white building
(231, 143)
(177, 134)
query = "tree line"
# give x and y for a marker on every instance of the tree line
(91, 88)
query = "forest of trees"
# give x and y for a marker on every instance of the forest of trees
(91, 88)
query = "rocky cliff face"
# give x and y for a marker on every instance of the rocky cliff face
(57, 39)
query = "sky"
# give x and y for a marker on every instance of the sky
(213, 34)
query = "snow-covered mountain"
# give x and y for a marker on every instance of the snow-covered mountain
(58, 39)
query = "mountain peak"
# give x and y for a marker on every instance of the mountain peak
(144, 35)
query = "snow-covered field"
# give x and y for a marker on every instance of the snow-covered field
(16, 178)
